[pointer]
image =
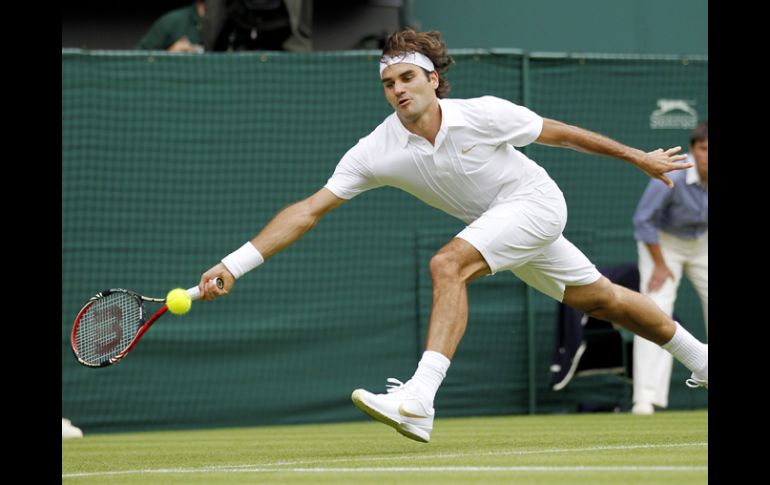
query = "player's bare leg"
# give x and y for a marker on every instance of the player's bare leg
(408, 408)
(638, 313)
(455, 265)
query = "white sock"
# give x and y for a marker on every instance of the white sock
(430, 374)
(689, 351)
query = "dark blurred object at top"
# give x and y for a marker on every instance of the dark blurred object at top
(242, 25)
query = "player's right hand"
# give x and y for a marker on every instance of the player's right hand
(209, 290)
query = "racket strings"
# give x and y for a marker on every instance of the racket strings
(108, 326)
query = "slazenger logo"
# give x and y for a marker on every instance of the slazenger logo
(674, 114)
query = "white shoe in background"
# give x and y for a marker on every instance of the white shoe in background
(643, 409)
(68, 431)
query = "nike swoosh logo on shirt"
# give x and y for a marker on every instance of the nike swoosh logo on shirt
(407, 414)
(466, 150)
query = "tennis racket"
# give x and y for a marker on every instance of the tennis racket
(111, 323)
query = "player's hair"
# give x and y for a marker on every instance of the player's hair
(700, 133)
(427, 43)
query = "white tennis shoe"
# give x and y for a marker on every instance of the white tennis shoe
(696, 381)
(400, 408)
(643, 409)
(68, 431)
(699, 379)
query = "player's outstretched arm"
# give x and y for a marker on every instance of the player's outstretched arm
(655, 163)
(284, 229)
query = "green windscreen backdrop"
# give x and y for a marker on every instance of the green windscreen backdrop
(170, 162)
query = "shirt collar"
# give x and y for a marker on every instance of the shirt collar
(692, 176)
(402, 134)
(450, 116)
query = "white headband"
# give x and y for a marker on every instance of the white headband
(410, 58)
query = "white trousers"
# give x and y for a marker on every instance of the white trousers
(653, 364)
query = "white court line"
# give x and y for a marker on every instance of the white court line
(381, 469)
(270, 467)
(462, 455)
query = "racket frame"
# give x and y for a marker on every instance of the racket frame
(145, 325)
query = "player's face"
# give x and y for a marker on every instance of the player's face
(700, 152)
(409, 90)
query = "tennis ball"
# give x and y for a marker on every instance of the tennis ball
(178, 301)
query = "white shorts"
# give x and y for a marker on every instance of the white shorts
(524, 236)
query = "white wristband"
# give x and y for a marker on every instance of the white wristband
(243, 260)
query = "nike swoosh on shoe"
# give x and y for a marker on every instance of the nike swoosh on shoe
(403, 412)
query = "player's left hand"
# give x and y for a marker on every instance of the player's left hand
(658, 162)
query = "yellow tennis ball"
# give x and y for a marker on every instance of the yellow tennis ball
(178, 301)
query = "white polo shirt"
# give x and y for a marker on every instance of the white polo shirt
(472, 166)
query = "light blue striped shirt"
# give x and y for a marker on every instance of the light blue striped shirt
(682, 211)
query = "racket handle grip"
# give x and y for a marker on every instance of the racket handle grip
(195, 293)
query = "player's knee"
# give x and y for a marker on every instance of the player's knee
(445, 266)
(604, 303)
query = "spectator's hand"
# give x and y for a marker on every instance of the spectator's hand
(209, 291)
(658, 162)
(184, 45)
(659, 275)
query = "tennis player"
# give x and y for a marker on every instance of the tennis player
(460, 156)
